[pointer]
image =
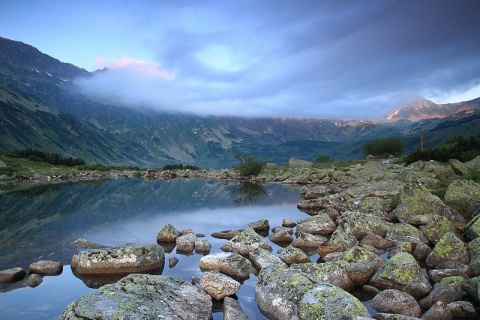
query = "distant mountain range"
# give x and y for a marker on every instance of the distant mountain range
(40, 107)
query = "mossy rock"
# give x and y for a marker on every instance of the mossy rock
(448, 248)
(465, 193)
(437, 227)
(361, 255)
(245, 242)
(448, 290)
(472, 230)
(334, 273)
(359, 224)
(402, 232)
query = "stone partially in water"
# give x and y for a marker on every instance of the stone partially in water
(142, 297)
(12, 275)
(219, 285)
(229, 263)
(167, 234)
(245, 242)
(46, 267)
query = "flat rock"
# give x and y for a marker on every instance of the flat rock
(12, 275)
(262, 258)
(245, 242)
(225, 234)
(46, 267)
(219, 285)
(307, 240)
(229, 263)
(320, 224)
(397, 302)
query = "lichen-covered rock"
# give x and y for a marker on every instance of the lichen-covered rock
(380, 208)
(438, 311)
(245, 242)
(375, 241)
(120, 260)
(232, 310)
(448, 248)
(320, 224)
(260, 225)
(458, 167)
(229, 263)
(402, 272)
(448, 290)
(359, 224)
(421, 251)
(46, 267)
(307, 240)
(397, 302)
(283, 293)
(219, 285)
(262, 258)
(462, 309)
(186, 243)
(334, 273)
(34, 280)
(437, 227)
(360, 273)
(281, 236)
(225, 234)
(475, 264)
(436, 275)
(361, 255)
(317, 191)
(291, 255)
(464, 192)
(12, 275)
(472, 230)
(417, 205)
(472, 287)
(403, 232)
(167, 234)
(474, 164)
(142, 297)
(339, 241)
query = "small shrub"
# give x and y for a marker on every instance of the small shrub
(323, 158)
(179, 167)
(384, 146)
(249, 165)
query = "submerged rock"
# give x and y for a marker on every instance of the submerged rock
(12, 275)
(142, 297)
(46, 267)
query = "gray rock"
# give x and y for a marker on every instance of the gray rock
(225, 234)
(85, 244)
(12, 275)
(288, 223)
(462, 309)
(142, 297)
(361, 255)
(464, 192)
(298, 163)
(402, 272)
(186, 243)
(232, 310)
(376, 207)
(46, 267)
(229, 263)
(458, 167)
(34, 280)
(167, 234)
(448, 290)
(397, 302)
(334, 273)
(219, 285)
(438, 311)
(436, 275)
(421, 251)
(307, 240)
(472, 229)
(262, 258)
(120, 260)
(448, 248)
(359, 224)
(339, 241)
(437, 227)
(289, 230)
(291, 255)
(474, 164)
(475, 264)
(281, 236)
(312, 192)
(402, 232)
(360, 273)
(202, 246)
(245, 242)
(376, 241)
(320, 224)
(260, 225)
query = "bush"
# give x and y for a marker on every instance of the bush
(249, 165)
(323, 158)
(384, 146)
(52, 158)
(179, 167)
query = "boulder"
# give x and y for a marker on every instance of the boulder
(219, 285)
(380, 208)
(320, 224)
(402, 272)
(334, 273)
(360, 255)
(458, 167)
(462, 309)
(317, 191)
(359, 224)
(260, 225)
(291, 255)
(448, 290)
(120, 260)
(472, 230)
(360, 273)
(232, 310)
(186, 243)
(288, 230)
(376, 241)
(46, 267)
(396, 302)
(172, 261)
(229, 263)
(402, 232)
(34, 280)
(281, 237)
(465, 193)
(202, 246)
(167, 234)
(262, 258)
(421, 251)
(436, 275)
(438, 311)
(298, 163)
(285, 293)
(85, 244)
(288, 223)
(437, 227)
(339, 241)
(12, 275)
(245, 242)
(474, 164)
(142, 297)
(307, 240)
(225, 234)
(448, 248)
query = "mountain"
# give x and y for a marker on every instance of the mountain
(425, 109)
(41, 106)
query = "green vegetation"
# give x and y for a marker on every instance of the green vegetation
(180, 167)
(40, 156)
(323, 158)
(459, 147)
(384, 146)
(249, 165)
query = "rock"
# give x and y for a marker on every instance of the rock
(474, 247)
(376, 207)
(417, 205)
(465, 193)
(34, 280)
(218, 285)
(475, 264)
(360, 273)
(142, 297)
(186, 231)
(408, 247)
(262, 258)
(285, 293)
(232, 310)
(397, 302)
(402, 272)
(85, 244)
(297, 163)
(361, 255)
(120, 260)
(225, 234)
(12, 275)
(288, 223)
(472, 287)
(376, 241)
(421, 251)
(437, 227)
(462, 309)
(320, 224)
(260, 225)
(334, 273)
(339, 241)
(167, 234)
(306, 240)
(472, 229)
(458, 167)
(291, 255)
(390, 316)
(403, 232)
(448, 248)
(172, 261)
(474, 164)
(312, 192)
(202, 246)
(229, 263)
(360, 224)
(448, 290)
(438, 311)
(281, 236)
(245, 242)
(436, 275)
(186, 243)
(289, 230)
(46, 267)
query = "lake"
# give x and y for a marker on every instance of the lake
(40, 221)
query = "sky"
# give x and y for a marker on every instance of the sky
(333, 59)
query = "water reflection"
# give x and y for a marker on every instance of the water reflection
(249, 193)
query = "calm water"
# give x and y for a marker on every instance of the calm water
(40, 222)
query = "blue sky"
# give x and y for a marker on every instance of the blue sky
(309, 59)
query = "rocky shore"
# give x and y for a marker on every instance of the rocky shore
(406, 236)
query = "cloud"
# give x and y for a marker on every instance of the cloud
(318, 59)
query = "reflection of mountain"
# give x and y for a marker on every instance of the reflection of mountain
(41, 223)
